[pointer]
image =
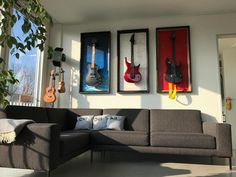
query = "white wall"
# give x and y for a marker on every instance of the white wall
(205, 72)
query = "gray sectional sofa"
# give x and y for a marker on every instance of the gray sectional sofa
(52, 140)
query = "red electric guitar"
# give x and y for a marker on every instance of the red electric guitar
(132, 74)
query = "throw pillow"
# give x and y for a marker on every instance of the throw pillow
(100, 122)
(84, 122)
(115, 122)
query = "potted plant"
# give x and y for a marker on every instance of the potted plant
(32, 10)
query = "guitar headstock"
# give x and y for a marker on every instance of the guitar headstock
(94, 41)
(61, 70)
(173, 35)
(52, 73)
(132, 40)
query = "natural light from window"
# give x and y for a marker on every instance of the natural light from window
(25, 68)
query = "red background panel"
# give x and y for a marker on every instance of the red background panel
(182, 57)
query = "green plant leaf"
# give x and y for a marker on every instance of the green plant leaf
(26, 26)
(17, 55)
(2, 61)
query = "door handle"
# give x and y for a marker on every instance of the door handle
(228, 103)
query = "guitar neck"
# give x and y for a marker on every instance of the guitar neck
(132, 54)
(93, 56)
(60, 76)
(50, 81)
(173, 47)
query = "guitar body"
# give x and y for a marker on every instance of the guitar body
(93, 78)
(61, 87)
(173, 72)
(132, 74)
(49, 96)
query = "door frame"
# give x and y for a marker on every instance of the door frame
(221, 36)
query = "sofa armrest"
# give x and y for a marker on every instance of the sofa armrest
(47, 141)
(36, 147)
(2, 113)
(222, 133)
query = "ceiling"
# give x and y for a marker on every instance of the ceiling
(80, 11)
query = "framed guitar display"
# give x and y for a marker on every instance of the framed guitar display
(133, 61)
(95, 62)
(173, 59)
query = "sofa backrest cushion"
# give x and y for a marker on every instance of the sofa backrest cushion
(136, 119)
(37, 114)
(58, 115)
(74, 113)
(176, 121)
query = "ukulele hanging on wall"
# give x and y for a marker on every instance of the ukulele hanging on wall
(50, 96)
(61, 84)
(132, 74)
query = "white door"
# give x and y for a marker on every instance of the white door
(228, 56)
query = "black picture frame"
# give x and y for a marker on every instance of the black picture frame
(182, 57)
(140, 55)
(101, 61)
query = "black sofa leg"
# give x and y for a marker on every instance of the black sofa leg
(230, 163)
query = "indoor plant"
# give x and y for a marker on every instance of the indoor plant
(32, 10)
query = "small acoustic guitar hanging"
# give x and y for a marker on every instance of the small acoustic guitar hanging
(61, 84)
(173, 72)
(50, 96)
(93, 78)
(132, 74)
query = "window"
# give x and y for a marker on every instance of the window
(26, 69)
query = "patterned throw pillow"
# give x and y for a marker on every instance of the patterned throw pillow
(100, 122)
(84, 122)
(115, 122)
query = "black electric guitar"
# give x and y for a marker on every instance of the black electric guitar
(93, 78)
(173, 72)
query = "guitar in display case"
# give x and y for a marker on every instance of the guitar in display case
(93, 77)
(132, 74)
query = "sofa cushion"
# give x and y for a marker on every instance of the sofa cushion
(57, 115)
(100, 122)
(74, 113)
(182, 140)
(37, 114)
(84, 122)
(126, 138)
(136, 119)
(115, 122)
(176, 121)
(73, 141)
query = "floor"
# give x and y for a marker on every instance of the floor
(134, 165)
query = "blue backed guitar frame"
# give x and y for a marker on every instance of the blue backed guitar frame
(102, 61)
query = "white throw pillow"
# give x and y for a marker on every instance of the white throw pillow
(115, 122)
(100, 122)
(84, 122)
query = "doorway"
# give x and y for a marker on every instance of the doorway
(227, 64)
